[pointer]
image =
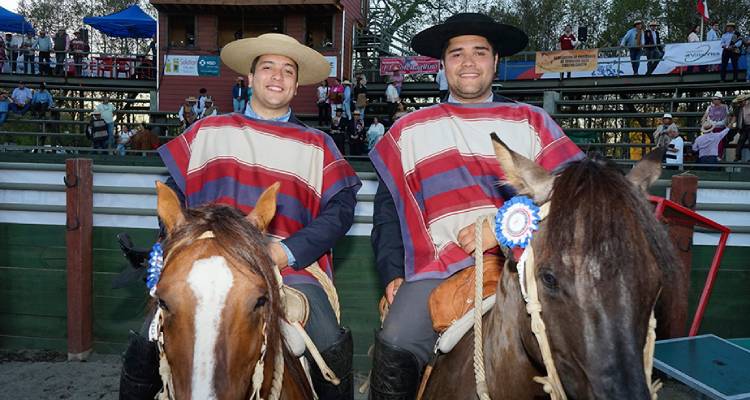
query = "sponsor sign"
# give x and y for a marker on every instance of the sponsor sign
(409, 65)
(333, 61)
(180, 65)
(566, 60)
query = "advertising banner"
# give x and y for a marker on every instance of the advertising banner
(566, 60)
(180, 65)
(409, 65)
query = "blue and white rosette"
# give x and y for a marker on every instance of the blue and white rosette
(155, 266)
(516, 221)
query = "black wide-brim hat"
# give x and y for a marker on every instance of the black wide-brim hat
(507, 40)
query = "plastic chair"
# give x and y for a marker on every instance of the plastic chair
(123, 66)
(106, 64)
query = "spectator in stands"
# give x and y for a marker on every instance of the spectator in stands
(107, 112)
(4, 106)
(210, 109)
(674, 154)
(356, 134)
(42, 101)
(374, 133)
(567, 42)
(746, 44)
(442, 83)
(27, 52)
(44, 45)
(347, 102)
(714, 33)
(78, 49)
(188, 112)
(661, 136)
(336, 95)
(400, 111)
(15, 52)
(731, 45)
(693, 35)
(123, 138)
(634, 41)
(653, 51)
(707, 144)
(360, 97)
(338, 129)
(324, 109)
(392, 98)
(9, 52)
(3, 55)
(717, 112)
(742, 120)
(200, 105)
(397, 78)
(61, 45)
(96, 131)
(239, 95)
(21, 97)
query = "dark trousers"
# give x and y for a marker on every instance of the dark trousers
(19, 109)
(44, 58)
(39, 109)
(28, 62)
(338, 138)
(744, 138)
(13, 61)
(635, 59)
(324, 113)
(653, 55)
(726, 56)
(59, 62)
(78, 61)
(392, 110)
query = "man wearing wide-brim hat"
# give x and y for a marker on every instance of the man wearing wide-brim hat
(653, 49)
(634, 40)
(742, 122)
(420, 236)
(731, 45)
(242, 154)
(707, 144)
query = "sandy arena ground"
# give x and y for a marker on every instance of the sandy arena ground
(37, 375)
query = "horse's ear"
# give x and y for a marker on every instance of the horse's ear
(648, 170)
(524, 175)
(168, 207)
(265, 208)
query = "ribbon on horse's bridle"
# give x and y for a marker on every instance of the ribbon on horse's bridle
(156, 334)
(526, 276)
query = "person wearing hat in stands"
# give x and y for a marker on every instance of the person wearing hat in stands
(188, 112)
(317, 195)
(4, 106)
(653, 51)
(96, 130)
(443, 150)
(661, 135)
(731, 45)
(634, 41)
(347, 98)
(707, 144)
(356, 134)
(391, 98)
(210, 109)
(239, 95)
(741, 118)
(717, 112)
(339, 127)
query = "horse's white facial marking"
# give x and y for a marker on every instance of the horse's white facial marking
(210, 279)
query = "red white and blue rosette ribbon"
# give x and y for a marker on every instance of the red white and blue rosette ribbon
(516, 221)
(155, 266)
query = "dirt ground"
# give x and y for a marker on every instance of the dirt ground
(36, 375)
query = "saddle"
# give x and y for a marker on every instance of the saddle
(455, 296)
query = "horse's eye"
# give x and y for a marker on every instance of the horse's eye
(549, 280)
(163, 305)
(262, 300)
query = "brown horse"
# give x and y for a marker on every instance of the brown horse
(601, 260)
(219, 302)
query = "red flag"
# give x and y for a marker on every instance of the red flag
(702, 8)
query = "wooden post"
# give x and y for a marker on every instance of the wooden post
(79, 241)
(674, 322)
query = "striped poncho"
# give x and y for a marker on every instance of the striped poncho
(440, 167)
(231, 159)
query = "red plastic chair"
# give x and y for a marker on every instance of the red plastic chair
(123, 66)
(106, 64)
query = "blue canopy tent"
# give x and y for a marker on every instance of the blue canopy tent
(12, 22)
(131, 22)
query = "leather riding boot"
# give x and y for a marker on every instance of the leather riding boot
(339, 359)
(139, 379)
(395, 373)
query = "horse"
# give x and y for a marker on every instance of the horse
(218, 305)
(602, 259)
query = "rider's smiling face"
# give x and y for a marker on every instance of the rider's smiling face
(470, 64)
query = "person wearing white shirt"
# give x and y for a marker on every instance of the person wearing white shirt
(44, 45)
(674, 153)
(374, 133)
(442, 83)
(391, 97)
(107, 111)
(693, 35)
(731, 45)
(713, 33)
(21, 97)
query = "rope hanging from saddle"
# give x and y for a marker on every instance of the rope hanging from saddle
(527, 280)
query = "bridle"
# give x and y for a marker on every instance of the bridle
(526, 268)
(156, 334)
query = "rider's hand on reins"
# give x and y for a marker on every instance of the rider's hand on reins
(467, 238)
(278, 255)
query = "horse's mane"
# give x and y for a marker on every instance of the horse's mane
(245, 244)
(595, 211)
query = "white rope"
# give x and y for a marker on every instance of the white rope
(479, 375)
